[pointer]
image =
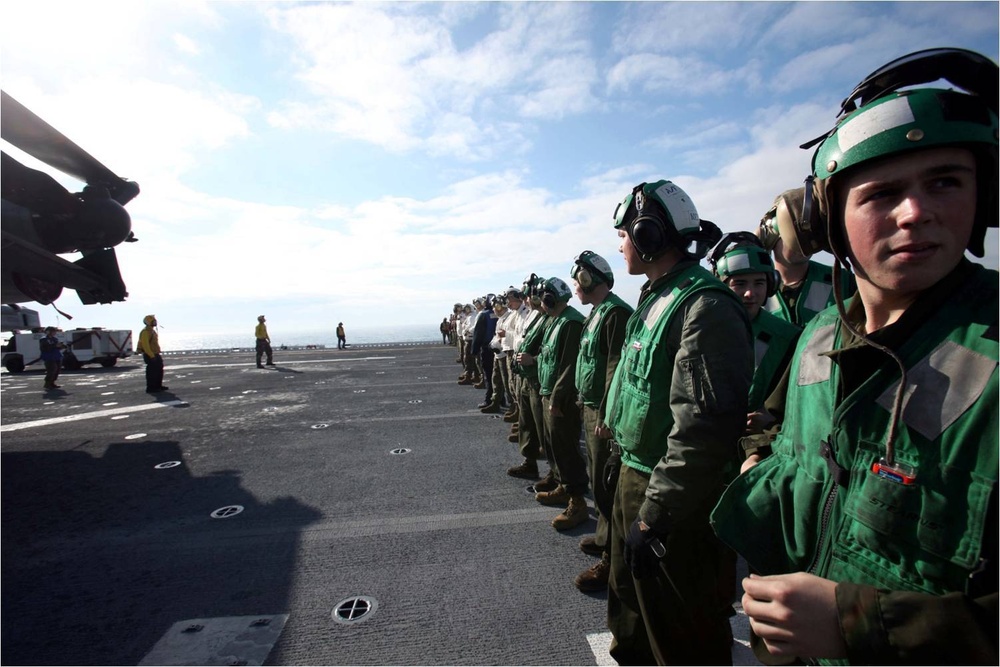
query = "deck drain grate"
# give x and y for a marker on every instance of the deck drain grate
(400, 450)
(354, 610)
(167, 464)
(415, 401)
(320, 426)
(227, 511)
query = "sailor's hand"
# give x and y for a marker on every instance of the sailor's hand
(525, 359)
(759, 420)
(555, 411)
(795, 614)
(602, 431)
(751, 461)
(643, 550)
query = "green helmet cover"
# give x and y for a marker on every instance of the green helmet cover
(596, 267)
(905, 121)
(744, 259)
(558, 288)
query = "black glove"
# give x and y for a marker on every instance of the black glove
(609, 481)
(643, 551)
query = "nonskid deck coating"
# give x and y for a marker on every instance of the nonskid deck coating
(104, 552)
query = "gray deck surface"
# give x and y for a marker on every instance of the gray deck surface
(109, 559)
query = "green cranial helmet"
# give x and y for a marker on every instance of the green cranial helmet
(557, 288)
(590, 269)
(905, 121)
(659, 216)
(740, 253)
(912, 120)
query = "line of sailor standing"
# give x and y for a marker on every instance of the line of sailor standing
(808, 417)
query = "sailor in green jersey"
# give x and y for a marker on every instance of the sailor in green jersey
(677, 405)
(556, 361)
(742, 263)
(530, 420)
(875, 518)
(805, 287)
(600, 349)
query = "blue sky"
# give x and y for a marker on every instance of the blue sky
(375, 163)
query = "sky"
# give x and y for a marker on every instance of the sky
(375, 163)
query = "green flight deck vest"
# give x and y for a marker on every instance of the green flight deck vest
(815, 294)
(548, 359)
(772, 339)
(592, 364)
(638, 410)
(823, 502)
(531, 344)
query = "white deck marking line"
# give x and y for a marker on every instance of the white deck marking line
(600, 642)
(173, 367)
(90, 415)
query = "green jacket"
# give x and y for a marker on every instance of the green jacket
(600, 350)
(821, 503)
(814, 294)
(557, 359)
(773, 343)
(678, 399)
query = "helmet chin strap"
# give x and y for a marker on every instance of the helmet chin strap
(838, 297)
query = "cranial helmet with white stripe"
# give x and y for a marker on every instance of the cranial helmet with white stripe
(892, 118)
(659, 216)
(740, 253)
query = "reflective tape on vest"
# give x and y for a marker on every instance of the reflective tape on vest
(818, 296)
(941, 387)
(657, 308)
(814, 366)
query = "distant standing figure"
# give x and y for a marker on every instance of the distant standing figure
(445, 328)
(50, 347)
(263, 342)
(149, 347)
(341, 337)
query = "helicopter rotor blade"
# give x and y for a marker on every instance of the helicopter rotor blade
(22, 128)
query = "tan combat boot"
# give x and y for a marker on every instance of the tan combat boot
(527, 470)
(557, 496)
(547, 483)
(574, 514)
(594, 578)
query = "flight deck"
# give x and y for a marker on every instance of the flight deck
(344, 507)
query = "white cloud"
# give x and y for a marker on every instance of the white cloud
(186, 45)
(392, 76)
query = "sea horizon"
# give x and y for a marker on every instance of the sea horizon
(171, 341)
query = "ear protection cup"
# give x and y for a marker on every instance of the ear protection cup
(584, 278)
(651, 234)
(548, 300)
(648, 236)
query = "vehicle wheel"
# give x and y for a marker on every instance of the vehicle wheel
(108, 363)
(71, 363)
(14, 363)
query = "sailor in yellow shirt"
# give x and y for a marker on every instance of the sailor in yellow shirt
(149, 347)
(263, 342)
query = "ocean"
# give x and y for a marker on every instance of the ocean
(171, 341)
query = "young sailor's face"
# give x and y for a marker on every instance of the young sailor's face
(633, 263)
(751, 288)
(908, 219)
